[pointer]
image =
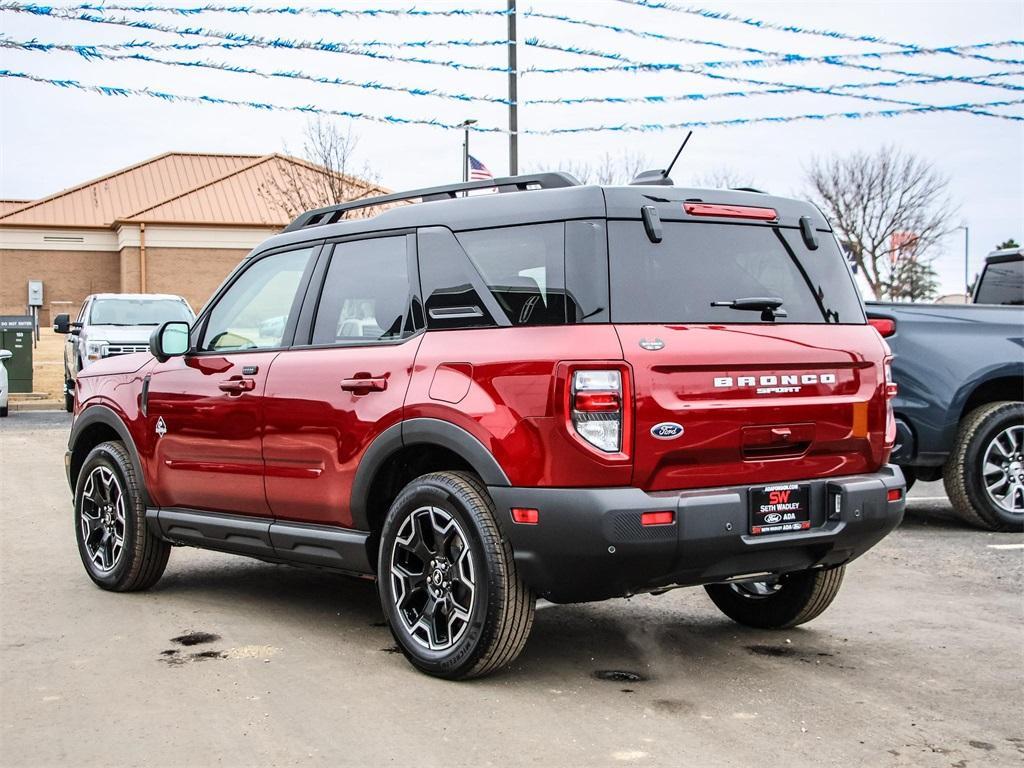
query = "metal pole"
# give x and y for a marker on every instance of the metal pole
(967, 279)
(513, 93)
(465, 152)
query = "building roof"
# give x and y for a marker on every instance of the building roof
(182, 188)
(6, 206)
(269, 191)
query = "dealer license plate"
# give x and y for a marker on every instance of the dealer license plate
(779, 508)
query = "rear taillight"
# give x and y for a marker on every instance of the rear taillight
(885, 326)
(891, 388)
(596, 411)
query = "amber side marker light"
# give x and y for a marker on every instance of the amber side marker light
(657, 518)
(731, 211)
(525, 516)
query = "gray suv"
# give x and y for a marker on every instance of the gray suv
(112, 324)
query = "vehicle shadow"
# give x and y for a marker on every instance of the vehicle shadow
(646, 638)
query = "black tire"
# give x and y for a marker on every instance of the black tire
(499, 607)
(3, 412)
(909, 476)
(964, 475)
(106, 476)
(795, 599)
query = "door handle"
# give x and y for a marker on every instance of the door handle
(363, 384)
(237, 386)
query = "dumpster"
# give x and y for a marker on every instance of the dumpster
(16, 335)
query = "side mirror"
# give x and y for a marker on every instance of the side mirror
(169, 340)
(5, 354)
(62, 324)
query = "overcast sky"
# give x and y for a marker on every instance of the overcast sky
(52, 138)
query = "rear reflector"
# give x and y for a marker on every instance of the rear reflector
(658, 518)
(525, 516)
(731, 211)
(895, 494)
(884, 325)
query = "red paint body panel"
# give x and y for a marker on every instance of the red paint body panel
(211, 455)
(514, 405)
(840, 425)
(316, 432)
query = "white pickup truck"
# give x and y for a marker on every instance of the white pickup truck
(113, 324)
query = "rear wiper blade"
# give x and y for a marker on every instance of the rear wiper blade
(768, 306)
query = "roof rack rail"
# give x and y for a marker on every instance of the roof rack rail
(335, 213)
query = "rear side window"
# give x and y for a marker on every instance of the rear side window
(366, 294)
(1002, 283)
(524, 269)
(676, 280)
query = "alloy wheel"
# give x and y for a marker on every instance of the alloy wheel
(1003, 469)
(101, 518)
(433, 578)
(756, 590)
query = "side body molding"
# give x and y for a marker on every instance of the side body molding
(418, 432)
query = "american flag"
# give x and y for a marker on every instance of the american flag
(478, 171)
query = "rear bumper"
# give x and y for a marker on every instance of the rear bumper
(589, 543)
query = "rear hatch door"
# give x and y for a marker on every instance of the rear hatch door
(744, 392)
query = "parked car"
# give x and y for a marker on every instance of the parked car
(5, 389)
(112, 324)
(1002, 279)
(576, 392)
(960, 407)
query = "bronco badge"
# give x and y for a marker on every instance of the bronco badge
(161, 427)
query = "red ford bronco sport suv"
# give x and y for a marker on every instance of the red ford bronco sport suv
(565, 391)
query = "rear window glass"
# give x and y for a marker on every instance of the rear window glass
(524, 268)
(676, 280)
(1002, 284)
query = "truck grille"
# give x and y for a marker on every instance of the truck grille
(125, 349)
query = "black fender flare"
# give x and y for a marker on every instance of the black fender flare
(418, 432)
(101, 414)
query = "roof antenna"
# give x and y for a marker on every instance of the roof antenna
(659, 177)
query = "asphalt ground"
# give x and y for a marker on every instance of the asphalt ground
(234, 662)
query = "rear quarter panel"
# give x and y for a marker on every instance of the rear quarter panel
(502, 386)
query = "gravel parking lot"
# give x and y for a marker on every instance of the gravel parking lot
(235, 662)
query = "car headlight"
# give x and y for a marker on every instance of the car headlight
(95, 350)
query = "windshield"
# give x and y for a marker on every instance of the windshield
(723, 273)
(138, 311)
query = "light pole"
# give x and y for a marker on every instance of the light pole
(464, 125)
(967, 276)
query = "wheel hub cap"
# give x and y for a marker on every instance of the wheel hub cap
(101, 519)
(433, 578)
(1003, 470)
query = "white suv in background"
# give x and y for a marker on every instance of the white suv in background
(114, 324)
(5, 390)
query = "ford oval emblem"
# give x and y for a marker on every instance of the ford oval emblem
(667, 430)
(772, 517)
(652, 345)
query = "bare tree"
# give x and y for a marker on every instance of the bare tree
(608, 169)
(334, 174)
(724, 177)
(886, 206)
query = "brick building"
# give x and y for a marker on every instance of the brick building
(177, 223)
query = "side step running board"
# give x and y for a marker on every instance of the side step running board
(321, 545)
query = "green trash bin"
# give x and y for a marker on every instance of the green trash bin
(16, 335)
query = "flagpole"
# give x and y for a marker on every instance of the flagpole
(513, 107)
